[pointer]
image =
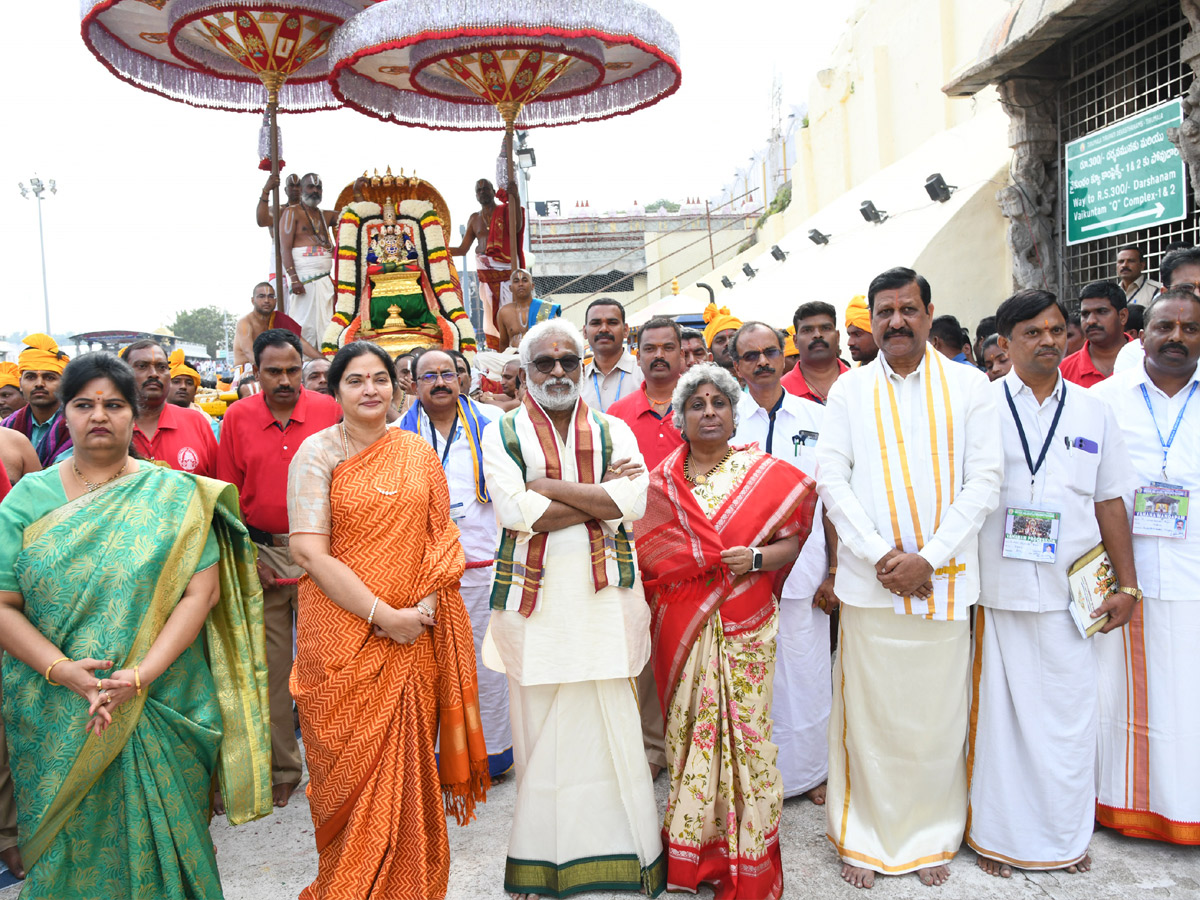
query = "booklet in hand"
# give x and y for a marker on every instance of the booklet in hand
(1092, 579)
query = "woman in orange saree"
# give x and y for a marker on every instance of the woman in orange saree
(385, 661)
(723, 526)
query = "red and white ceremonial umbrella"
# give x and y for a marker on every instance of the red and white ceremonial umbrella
(222, 54)
(472, 65)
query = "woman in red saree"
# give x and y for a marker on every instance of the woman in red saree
(385, 660)
(723, 526)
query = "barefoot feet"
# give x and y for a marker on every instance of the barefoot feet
(934, 875)
(859, 878)
(281, 793)
(218, 804)
(12, 858)
(816, 795)
(1084, 865)
(995, 867)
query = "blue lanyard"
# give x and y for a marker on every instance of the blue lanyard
(1166, 445)
(1033, 467)
(596, 387)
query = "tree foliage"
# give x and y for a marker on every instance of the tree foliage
(205, 325)
(664, 204)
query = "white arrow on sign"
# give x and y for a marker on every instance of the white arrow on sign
(1158, 210)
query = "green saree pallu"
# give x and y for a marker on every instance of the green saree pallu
(125, 814)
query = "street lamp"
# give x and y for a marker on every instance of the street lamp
(38, 189)
(526, 160)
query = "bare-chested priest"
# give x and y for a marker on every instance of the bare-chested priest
(291, 191)
(307, 245)
(264, 315)
(492, 259)
(524, 312)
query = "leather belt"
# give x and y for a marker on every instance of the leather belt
(266, 538)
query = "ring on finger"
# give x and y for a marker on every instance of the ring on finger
(99, 684)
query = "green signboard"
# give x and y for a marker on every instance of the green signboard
(1126, 176)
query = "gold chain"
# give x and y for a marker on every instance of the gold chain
(90, 486)
(702, 479)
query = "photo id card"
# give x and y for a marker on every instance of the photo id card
(1160, 510)
(1031, 534)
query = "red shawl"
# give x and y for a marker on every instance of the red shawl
(679, 553)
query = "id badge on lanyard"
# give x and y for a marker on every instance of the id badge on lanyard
(1160, 510)
(1031, 534)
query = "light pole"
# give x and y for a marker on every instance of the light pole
(526, 160)
(38, 189)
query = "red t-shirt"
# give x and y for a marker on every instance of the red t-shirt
(656, 437)
(255, 452)
(184, 441)
(1079, 369)
(793, 382)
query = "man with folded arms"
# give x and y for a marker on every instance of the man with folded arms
(1149, 781)
(908, 466)
(1032, 745)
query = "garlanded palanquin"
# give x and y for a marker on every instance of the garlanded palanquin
(396, 284)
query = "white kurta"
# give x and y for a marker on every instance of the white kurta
(897, 767)
(1148, 782)
(1033, 743)
(802, 692)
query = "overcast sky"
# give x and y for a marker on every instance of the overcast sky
(154, 212)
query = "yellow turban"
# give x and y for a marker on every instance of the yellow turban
(718, 320)
(789, 345)
(857, 313)
(10, 376)
(179, 367)
(41, 354)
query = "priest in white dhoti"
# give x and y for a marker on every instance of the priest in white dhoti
(787, 427)
(908, 466)
(571, 629)
(1148, 771)
(307, 248)
(453, 425)
(1032, 749)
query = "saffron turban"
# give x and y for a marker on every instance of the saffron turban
(718, 320)
(789, 345)
(857, 313)
(41, 354)
(10, 376)
(179, 367)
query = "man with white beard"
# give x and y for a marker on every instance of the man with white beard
(307, 247)
(571, 628)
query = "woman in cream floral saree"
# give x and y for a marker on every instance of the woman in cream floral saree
(723, 526)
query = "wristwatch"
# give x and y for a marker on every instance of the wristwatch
(756, 559)
(1133, 592)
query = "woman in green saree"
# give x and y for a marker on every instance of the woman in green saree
(117, 717)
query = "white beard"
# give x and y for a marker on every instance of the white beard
(555, 402)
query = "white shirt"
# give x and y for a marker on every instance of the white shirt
(1166, 567)
(794, 440)
(850, 475)
(601, 391)
(476, 522)
(574, 633)
(1130, 357)
(1069, 482)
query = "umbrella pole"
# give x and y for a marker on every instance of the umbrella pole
(272, 80)
(510, 111)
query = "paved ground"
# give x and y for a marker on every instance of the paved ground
(273, 859)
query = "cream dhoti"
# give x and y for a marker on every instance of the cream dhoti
(494, 292)
(1148, 777)
(314, 308)
(1032, 750)
(802, 698)
(897, 796)
(476, 588)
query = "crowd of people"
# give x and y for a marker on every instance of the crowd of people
(594, 556)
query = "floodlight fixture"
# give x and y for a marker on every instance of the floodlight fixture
(817, 237)
(777, 253)
(937, 189)
(725, 281)
(750, 272)
(871, 214)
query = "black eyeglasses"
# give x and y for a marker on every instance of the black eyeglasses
(545, 364)
(431, 377)
(751, 356)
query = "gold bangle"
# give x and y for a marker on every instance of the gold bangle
(137, 678)
(52, 665)
(833, 570)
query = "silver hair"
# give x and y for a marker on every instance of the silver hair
(560, 327)
(694, 379)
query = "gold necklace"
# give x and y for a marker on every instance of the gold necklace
(89, 486)
(346, 451)
(703, 479)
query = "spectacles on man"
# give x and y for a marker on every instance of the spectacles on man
(545, 364)
(431, 377)
(751, 356)
(1185, 286)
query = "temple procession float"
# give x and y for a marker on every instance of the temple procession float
(462, 66)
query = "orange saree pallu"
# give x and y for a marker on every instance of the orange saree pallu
(714, 656)
(371, 709)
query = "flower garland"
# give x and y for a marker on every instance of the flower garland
(350, 279)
